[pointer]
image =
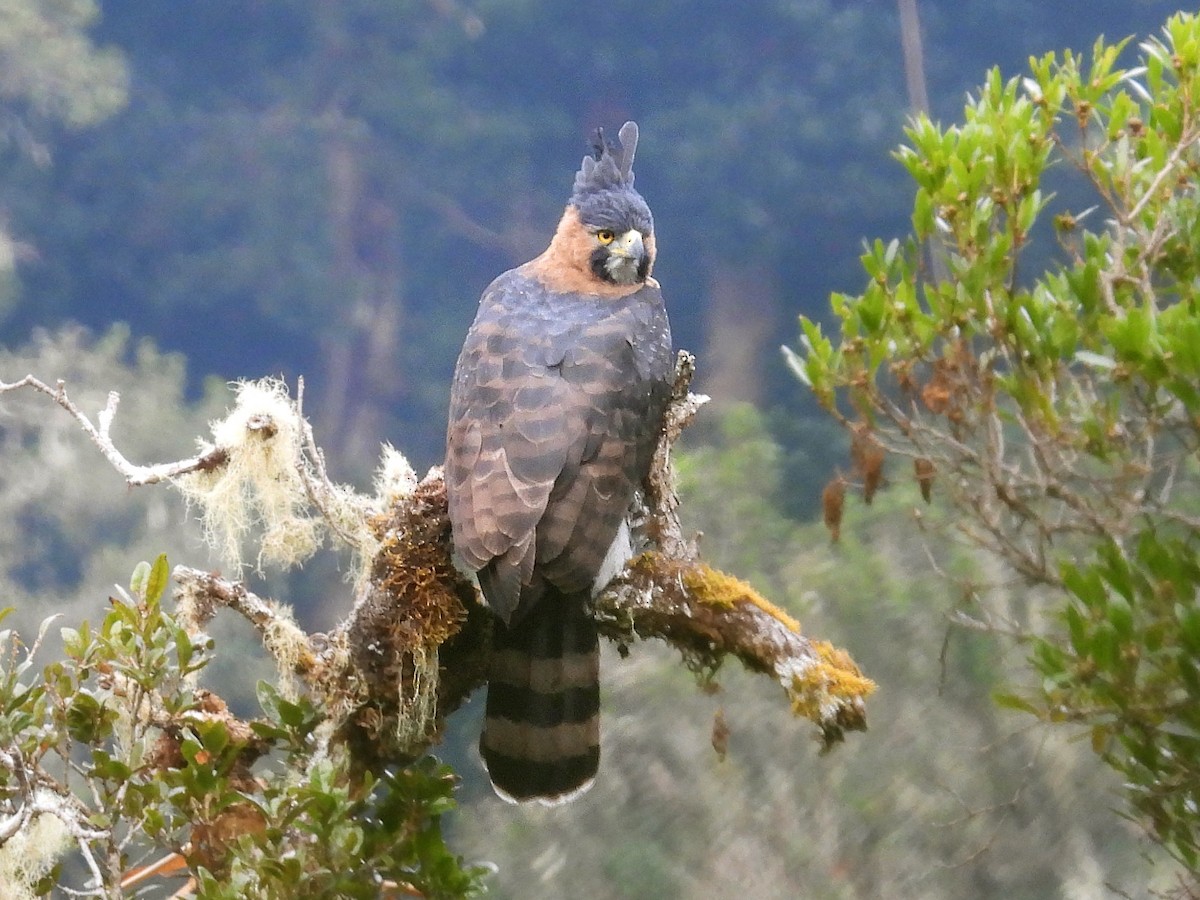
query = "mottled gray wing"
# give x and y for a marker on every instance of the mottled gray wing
(551, 425)
(513, 424)
(591, 497)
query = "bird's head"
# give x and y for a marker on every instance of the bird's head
(604, 245)
(614, 215)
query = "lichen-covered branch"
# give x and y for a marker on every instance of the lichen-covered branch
(671, 594)
(198, 595)
(208, 589)
(416, 642)
(709, 615)
(49, 818)
(662, 502)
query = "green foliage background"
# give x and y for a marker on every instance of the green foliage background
(1060, 408)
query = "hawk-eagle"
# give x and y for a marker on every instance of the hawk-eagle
(555, 409)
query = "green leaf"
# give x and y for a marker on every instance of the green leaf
(1012, 701)
(213, 735)
(160, 575)
(1085, 584)
(104, 765)
(72, 643)
(140, 579)
(1105, 648)
(184, 651)
(1188, 616)
(1077, 628)
(85, 718)
(291, 714)
(1120, 616)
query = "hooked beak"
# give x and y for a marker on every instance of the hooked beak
(628, 245)
(626, 262)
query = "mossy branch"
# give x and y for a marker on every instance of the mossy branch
(417, 639)
(671, 594)
(709, 615)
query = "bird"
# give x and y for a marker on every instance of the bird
(556, 407)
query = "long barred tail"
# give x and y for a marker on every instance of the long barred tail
(541, 735)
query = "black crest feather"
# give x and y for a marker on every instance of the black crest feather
(610, 166)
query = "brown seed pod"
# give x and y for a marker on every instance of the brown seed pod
(833, 499)
(924, 471)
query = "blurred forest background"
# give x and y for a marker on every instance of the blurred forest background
(200, 192)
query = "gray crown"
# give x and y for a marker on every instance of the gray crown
(610, 167)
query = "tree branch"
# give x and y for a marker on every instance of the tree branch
(417, 640)
(135, 475)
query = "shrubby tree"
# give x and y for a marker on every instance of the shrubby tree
(1058, 413)
(113, 752)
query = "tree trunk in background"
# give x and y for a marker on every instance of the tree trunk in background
(361, 373)
(918, 99)
(738, 334)
(914, 58)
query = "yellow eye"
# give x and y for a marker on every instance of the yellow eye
(605, 236)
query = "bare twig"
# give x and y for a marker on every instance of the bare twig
(1169, 169)
(135, 475)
